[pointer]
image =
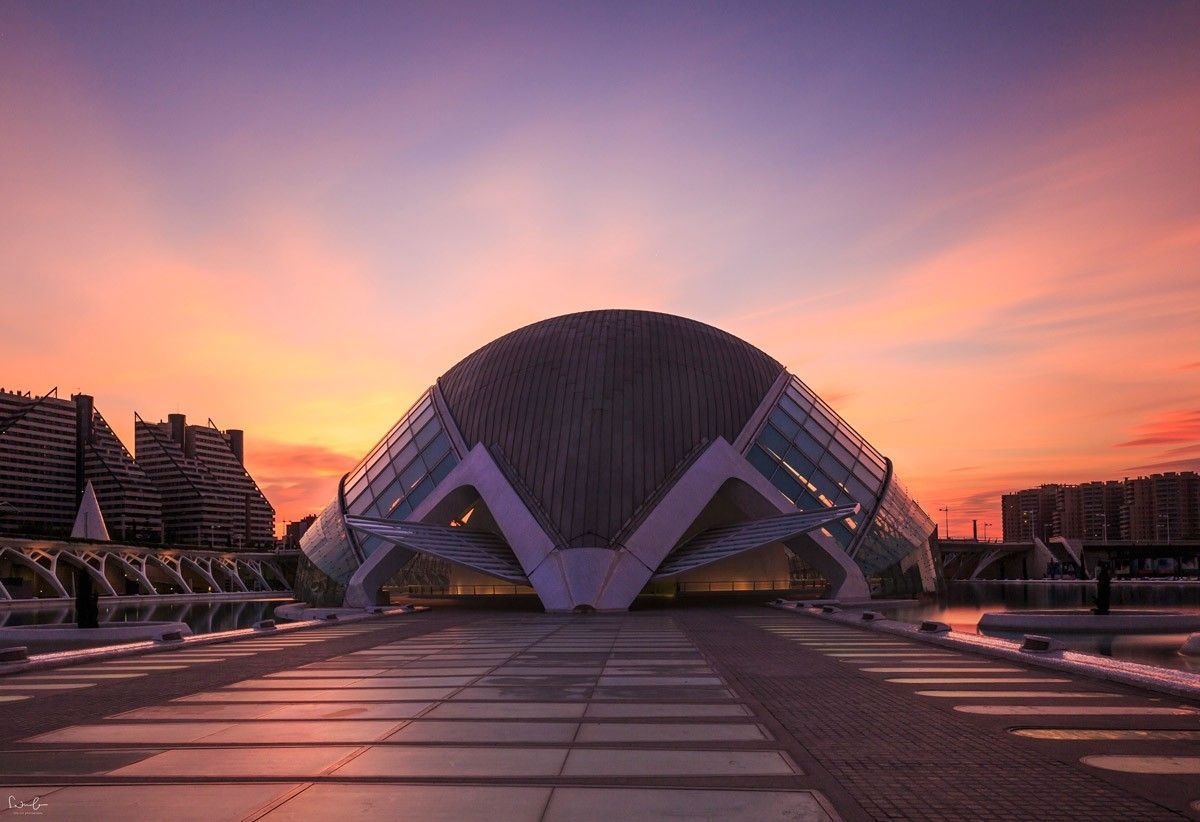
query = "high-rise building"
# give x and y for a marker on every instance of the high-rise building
(296, 529)
(49, 449)
(1137, 511)
(1100, 509)
(1158, 508)
(1028, 513)
(37, 463)
(1068, 512)
(1162, 507)
(130, 503)
(208, 497)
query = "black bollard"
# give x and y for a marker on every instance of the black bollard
(87, 602)
(1103, 591)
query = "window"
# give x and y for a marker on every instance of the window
(793, 408)
(443, 468)
(412, 474)
(437, 449)
(798, 463)
(427, 433)
(420, 492)
(813, 446)
(773, 441)
(762, 461)
(790, 488)
(786, 425)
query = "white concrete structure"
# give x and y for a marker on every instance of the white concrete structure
(592, 455)
(89, 522)
(44, 570)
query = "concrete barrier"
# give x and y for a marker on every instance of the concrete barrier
(1085, 622)
(107, 632)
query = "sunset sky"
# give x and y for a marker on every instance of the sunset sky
(973, 228)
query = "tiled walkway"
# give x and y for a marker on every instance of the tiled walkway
(916, 731)
(522, 717)
(719, 713)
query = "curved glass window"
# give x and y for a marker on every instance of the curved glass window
(817, 460)
(401, 468)
(810, 454)
(390, 482)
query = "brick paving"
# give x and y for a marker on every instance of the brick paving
(902, 757)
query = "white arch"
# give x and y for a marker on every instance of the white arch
(604, 578)
(229, 568)
(253, 567)
(477, 476)
(81, 562)
(269, 566)
(170, 570)
(46, 574)
(202, 570)
(143, 581)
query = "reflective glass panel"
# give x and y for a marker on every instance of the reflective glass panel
(786, 425)
(773, 441)
(762, 461)
(437, 449)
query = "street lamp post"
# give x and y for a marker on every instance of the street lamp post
(986, 525)
(947, 511)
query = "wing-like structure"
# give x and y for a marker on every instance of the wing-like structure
(716, 544)
(480, 550)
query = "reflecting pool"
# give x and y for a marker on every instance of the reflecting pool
(963, 603)
(201, 617)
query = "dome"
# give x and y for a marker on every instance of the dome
(589, 456)
(594, 412)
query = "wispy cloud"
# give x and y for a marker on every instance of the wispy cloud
(995, 283)
(1167, 428)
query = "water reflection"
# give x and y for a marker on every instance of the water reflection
(201, 617)
(964, 603)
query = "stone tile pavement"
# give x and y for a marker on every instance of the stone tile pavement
(700, 713)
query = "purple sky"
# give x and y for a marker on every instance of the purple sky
(975, 228)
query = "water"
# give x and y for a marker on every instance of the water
(964, 603)
(201, 617)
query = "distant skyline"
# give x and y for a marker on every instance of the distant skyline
(973, 228)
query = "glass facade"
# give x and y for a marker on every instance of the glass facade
(818, 461)
(390, 482)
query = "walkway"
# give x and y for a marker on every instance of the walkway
(509, 717)
(718, 713)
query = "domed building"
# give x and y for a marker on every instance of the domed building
(594, 456)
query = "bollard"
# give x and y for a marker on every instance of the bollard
(1035, 644)
(17, 653)
(931, 627)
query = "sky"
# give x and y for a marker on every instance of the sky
(973, 228)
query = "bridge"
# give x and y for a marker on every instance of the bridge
(980, 559)
(37, 570)
(966, 559)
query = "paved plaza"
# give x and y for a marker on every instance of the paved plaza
(710, 712)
